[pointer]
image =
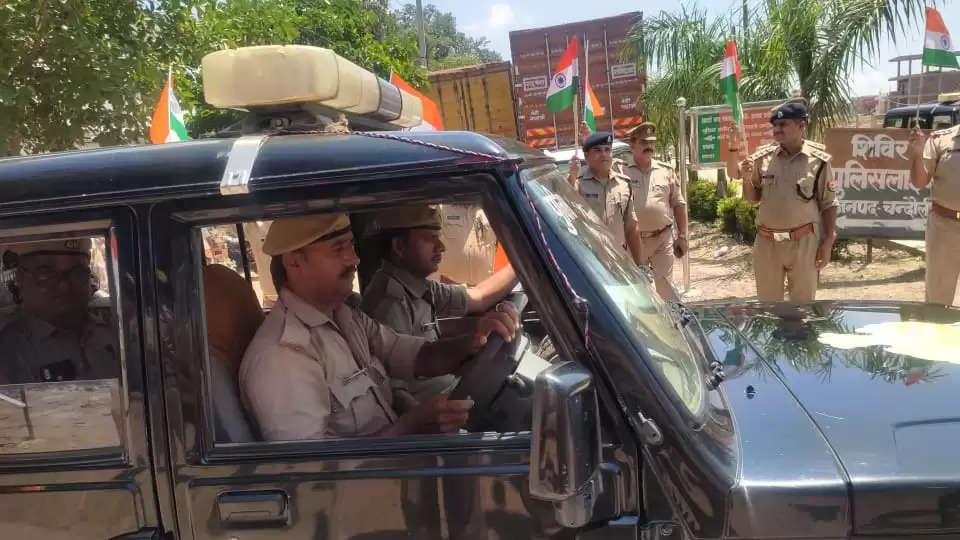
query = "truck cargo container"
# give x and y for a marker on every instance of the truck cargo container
(618, 83)
(476, 98)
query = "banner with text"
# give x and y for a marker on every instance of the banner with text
(710, 131)
(872, 174)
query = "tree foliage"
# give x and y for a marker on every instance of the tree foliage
(447, 47)
(786, 47)
(76, 72)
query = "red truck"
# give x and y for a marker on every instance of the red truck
(617, 83)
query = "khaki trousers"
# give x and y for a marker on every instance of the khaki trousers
(795, 259)
(943, 259)
(658, 253)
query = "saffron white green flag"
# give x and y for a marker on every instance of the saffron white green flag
(563, 85)
(167, 125)
(592, 108)
(937, 48)
(730, 81)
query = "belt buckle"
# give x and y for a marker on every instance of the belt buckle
(781, 236)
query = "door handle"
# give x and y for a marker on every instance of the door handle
(268, 508)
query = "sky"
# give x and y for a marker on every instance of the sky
(496, 19)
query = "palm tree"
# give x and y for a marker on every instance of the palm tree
(808, 46)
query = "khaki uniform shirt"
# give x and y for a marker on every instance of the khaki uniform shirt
(942, 158)
(792, 193)
(656, 192)
(32, 350)
(470, 242)
(307, 376)
(411, 305)
(609, 198)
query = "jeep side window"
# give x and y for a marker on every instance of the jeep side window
(60, 368)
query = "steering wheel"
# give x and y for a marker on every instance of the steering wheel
(485, 373)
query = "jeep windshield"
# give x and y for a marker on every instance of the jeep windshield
(623, 286)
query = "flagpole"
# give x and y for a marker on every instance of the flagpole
(586, 75)
(576, 122)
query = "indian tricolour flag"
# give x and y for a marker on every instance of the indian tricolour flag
(730, 81)
(563, 85)
(937, 48)
(592, 108)
(167, 123)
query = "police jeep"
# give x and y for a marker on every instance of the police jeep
(615, 415)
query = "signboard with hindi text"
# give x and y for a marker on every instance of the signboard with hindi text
(710, 131)
(872, 175)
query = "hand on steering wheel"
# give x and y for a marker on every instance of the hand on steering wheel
(503, 320)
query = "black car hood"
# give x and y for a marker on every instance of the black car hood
(881, 382)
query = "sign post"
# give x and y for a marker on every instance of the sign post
(682, 138)
(710, 128)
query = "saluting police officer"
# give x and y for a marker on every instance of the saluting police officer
(401, 296)
(54, 334)
(319, 367)
(936, 160)
(606, 190)
(658, 206)
(796, 220)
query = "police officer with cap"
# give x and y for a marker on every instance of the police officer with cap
(658, 206)
(935, 160)
(54, 334)
(605, 190)
(796, 220)
(401, 296)
(320, 368)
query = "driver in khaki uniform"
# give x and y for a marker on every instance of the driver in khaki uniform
(401, 296)
(320, 368)
(54, 334)
(796, 221)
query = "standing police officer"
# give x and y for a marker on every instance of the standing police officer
(658, 204)
(936, 160)
(605, 190)
(796, 221)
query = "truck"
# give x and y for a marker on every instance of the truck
(618, 83)
(476, 98)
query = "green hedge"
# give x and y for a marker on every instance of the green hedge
(727, 209)
(702, 200)
(746, 220)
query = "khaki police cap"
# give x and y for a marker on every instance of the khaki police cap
(286, 235)
(646, 131)
(410, 217)
(67, 246)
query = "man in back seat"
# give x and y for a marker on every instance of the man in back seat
(319, 367)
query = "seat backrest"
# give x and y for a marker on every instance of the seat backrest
(233, 317)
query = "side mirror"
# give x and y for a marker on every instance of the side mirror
(565, 451)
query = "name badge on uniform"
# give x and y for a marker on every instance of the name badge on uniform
(766, 177)
(592, 195)
(453, 218)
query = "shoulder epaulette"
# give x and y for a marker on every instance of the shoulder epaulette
(819, 153)
(764, 150)
(948, 131)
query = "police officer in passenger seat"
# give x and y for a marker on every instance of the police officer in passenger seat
(54, 334)
(320, 368)
(401, 296)
(796, 221)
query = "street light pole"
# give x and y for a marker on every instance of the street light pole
(682, 160)
(423, 35)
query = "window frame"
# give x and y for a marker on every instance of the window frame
(116, 227)
(179, 217)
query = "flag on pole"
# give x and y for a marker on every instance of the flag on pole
(563, 85)
(937, 48)
(730, 81)
(592, 108)
(432, 119)
(167, 125)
